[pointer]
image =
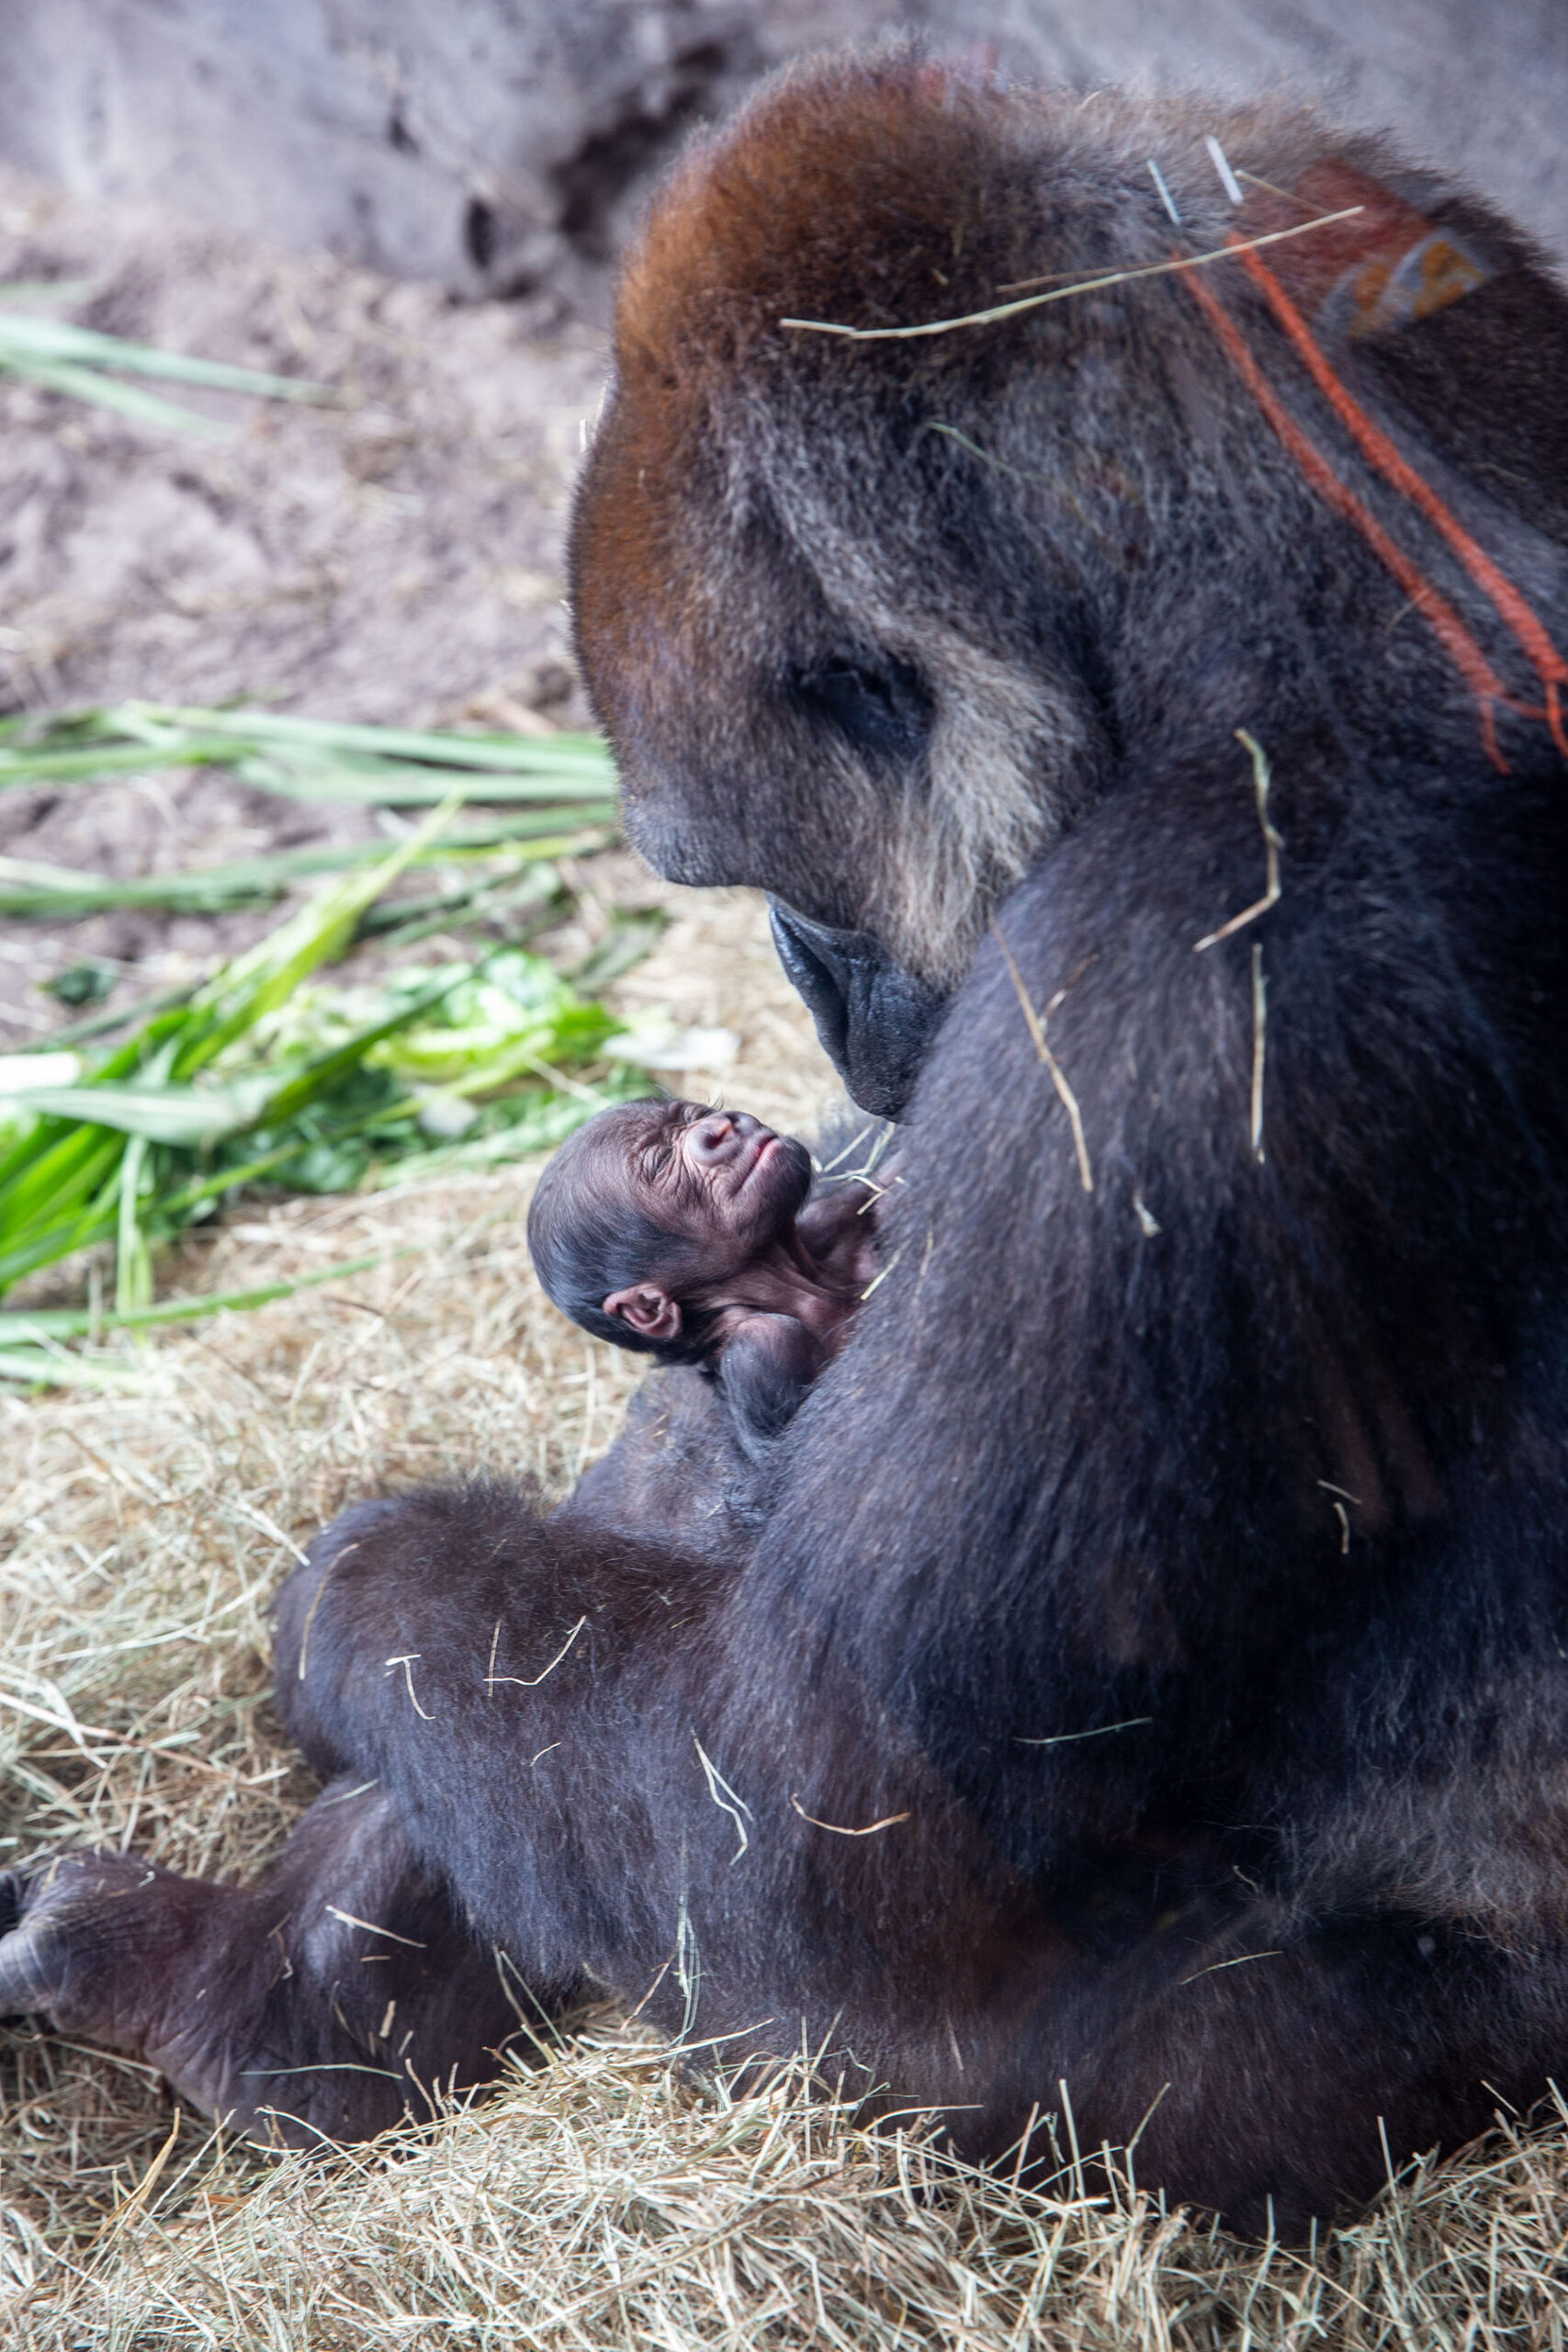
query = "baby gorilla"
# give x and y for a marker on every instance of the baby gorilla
(689, 1235)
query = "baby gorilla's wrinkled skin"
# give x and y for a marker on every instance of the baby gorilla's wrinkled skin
(690, 1233)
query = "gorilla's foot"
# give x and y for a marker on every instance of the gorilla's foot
(326, 2004)
(126, 1953)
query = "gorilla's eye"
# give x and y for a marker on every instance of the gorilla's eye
(884, 709)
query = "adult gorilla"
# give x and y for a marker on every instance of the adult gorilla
(1149, 1673)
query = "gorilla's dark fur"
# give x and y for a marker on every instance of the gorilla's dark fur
(1173, 1563)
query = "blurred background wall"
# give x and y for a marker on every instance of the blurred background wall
(502, 146)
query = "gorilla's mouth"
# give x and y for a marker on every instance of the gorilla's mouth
(875, 1020)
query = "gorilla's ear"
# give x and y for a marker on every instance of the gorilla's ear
(646, 1309)
(874, 1019)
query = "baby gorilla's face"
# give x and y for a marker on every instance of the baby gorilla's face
(720, 1181)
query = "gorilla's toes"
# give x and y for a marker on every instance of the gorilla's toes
(20, 1981)
(68, 1927)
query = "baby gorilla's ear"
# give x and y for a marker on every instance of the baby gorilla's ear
(646, 1309)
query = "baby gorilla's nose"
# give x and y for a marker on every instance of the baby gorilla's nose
(722, 1134)
(715, 1136)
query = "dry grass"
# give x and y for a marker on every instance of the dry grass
(600, 2200)
(603, 2202)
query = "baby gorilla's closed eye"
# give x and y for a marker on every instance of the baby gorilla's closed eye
(692, 1235)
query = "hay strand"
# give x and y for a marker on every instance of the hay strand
(1091, 285)
(1057, 1075)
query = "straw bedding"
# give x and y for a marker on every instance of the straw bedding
(600, 2198)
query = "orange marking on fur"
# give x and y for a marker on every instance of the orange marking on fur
(1439, 614)
(1380, 452)
(1386, 266)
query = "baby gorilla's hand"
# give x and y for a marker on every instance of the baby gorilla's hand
(841, 1226)
(769, 1362)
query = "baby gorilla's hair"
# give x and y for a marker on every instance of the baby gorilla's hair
(581, 1259)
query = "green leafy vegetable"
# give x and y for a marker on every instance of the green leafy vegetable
(320, 761)
(258, 1074)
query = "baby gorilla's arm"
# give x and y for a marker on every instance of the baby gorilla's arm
(769, 1362)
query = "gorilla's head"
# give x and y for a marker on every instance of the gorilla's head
(870, 619)
(832, 652)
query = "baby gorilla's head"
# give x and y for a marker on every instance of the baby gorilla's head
(645, 1216)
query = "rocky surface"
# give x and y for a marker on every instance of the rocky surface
(505, 146)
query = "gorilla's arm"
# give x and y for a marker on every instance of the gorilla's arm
(674, 1476)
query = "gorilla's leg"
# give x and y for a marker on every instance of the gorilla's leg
(341, 1992)
(513, 1712)
(353, 1981)
(519, 1689)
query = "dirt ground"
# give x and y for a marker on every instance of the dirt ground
(395, 557)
